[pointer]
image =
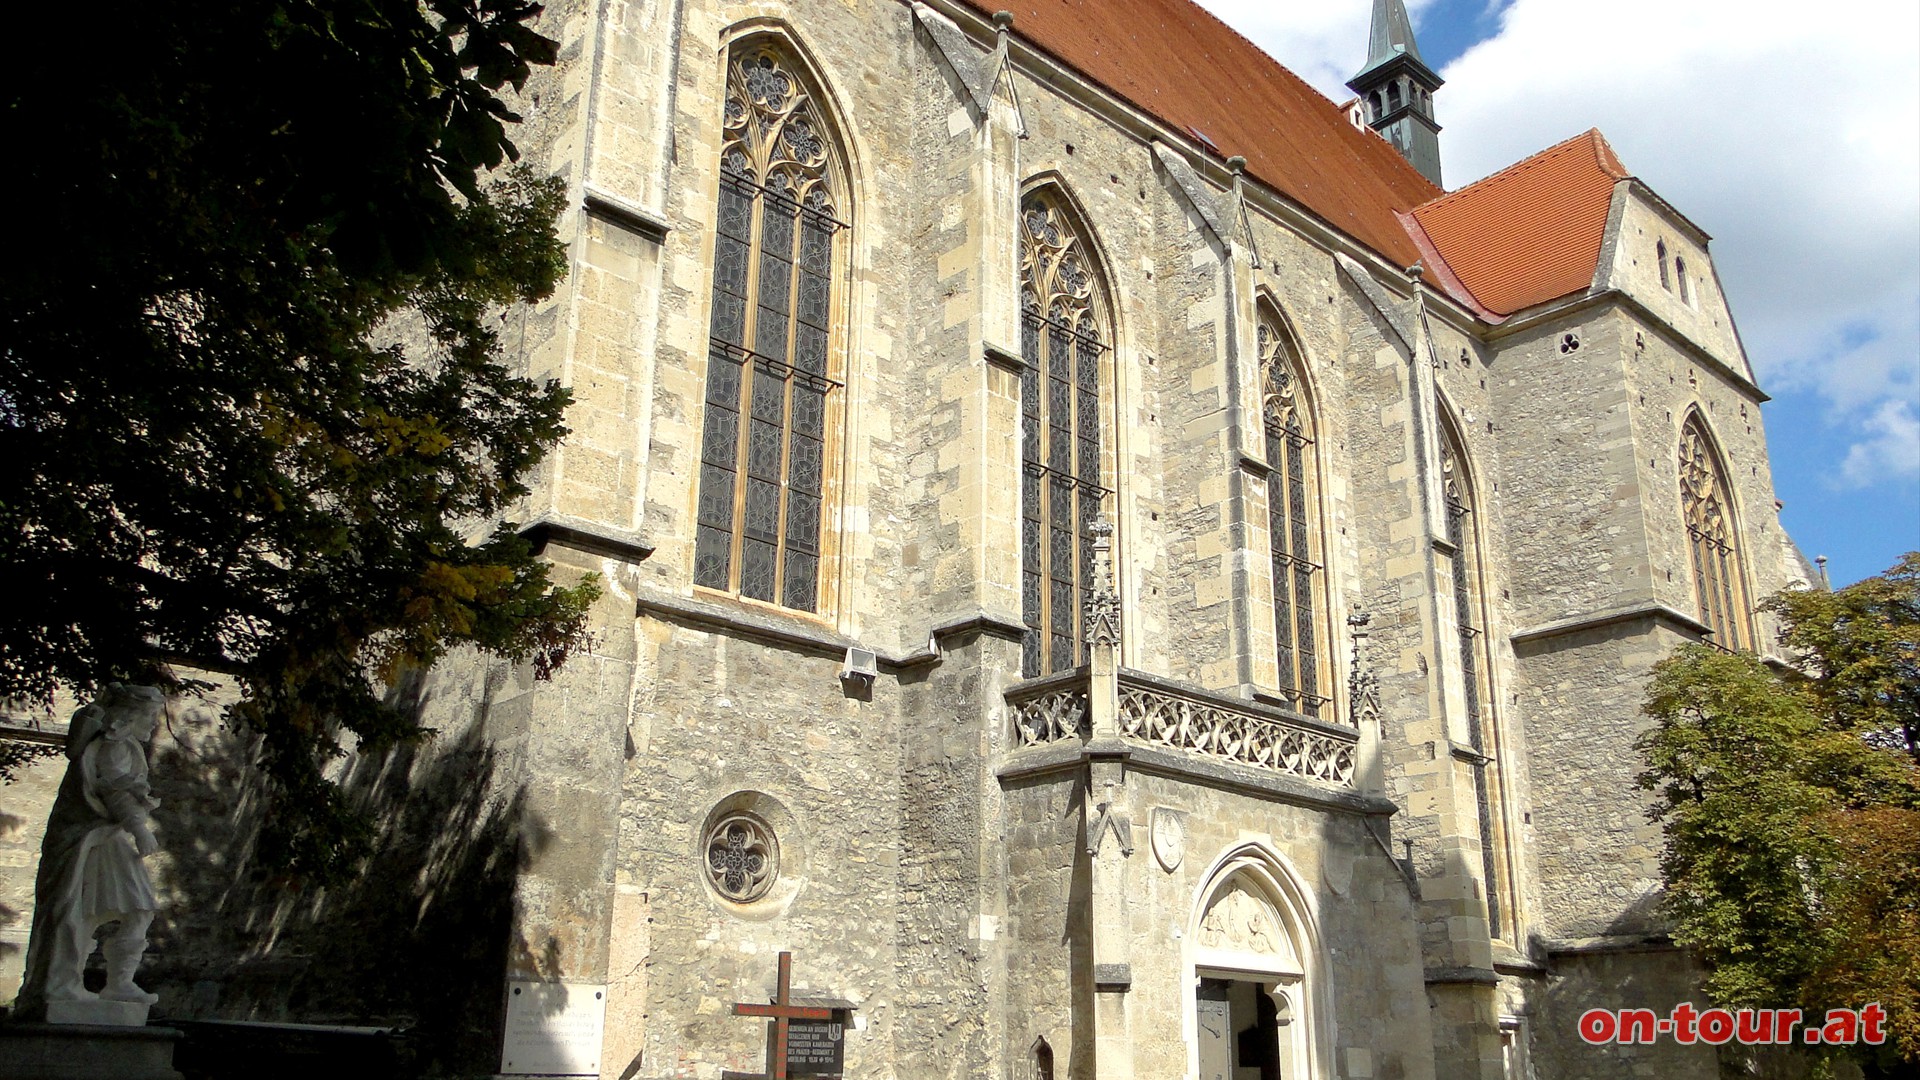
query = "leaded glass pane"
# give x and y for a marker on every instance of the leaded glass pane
(716, 496)
(809, 410)
(1290, 521)
(810, 349)
(804, 467)
(756, 569)
(762, 509)
(1060, 554)
(769, 393)
(816, 251)
(760, 489)
(803, 520)
(798, 587)
(1060, 437)
(1706, 509)
(729, 308)
(763, 451)
(723, 378)
(712, 550)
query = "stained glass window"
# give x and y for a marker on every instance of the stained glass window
(770, 385)
(1062, 343)
(1292, 518)
(1718, 593)
(1458, 491)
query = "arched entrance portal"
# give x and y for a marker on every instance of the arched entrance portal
(1255, 975)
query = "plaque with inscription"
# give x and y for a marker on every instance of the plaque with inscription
(816, 1048)
(553, 1029)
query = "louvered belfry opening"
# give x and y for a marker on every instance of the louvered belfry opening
(771, 391)
(1062, 343)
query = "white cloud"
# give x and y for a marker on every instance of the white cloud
(1793, 137)
(1323, 43)
(1892, 450)
(1790, 134)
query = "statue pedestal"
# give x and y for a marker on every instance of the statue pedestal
(96, 1051)
(98, 1012)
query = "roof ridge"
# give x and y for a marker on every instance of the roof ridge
(1274, 60)
(1184, 69)
(1604, 157)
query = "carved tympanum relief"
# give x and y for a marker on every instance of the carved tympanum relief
(1239, 921)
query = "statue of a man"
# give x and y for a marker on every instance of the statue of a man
(90, 861)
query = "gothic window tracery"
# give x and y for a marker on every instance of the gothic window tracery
(1292, 518)
(1457, 490)
(743, 858)
(771, 389)
(1062, 341)
(1711, 539)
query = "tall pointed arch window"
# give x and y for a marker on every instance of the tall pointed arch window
(1063, 337)
(1292, 519)
(1719, 595)
(1457, 489)
(771, 375)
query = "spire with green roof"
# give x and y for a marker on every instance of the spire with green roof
(1397, 88)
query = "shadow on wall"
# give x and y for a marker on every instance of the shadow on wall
(420, 940)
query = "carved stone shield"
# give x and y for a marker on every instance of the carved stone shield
(1168, 835)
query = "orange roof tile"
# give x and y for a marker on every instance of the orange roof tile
(1179, 63)
(1532, 231)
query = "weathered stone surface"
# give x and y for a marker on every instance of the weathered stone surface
(932, 872)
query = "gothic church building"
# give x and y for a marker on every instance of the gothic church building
(1105, 560)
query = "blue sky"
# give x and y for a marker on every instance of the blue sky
(1793, 140)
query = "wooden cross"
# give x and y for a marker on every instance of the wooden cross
(783, 1011)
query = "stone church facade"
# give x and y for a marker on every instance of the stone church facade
(1105, 562)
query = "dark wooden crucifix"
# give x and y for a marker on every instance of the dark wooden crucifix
(783, 1012)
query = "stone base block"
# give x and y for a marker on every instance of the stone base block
(99, 1011)
(87, 1051)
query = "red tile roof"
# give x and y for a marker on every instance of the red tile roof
(1177, 62)
(1527, 234)
(1532, 231)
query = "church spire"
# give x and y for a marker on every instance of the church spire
(1392, 34)
(1397, 88)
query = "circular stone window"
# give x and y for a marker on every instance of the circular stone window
(743, 857)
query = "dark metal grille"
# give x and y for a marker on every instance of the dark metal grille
(768, 394)
(1710, 540)
(1061, 493)
(1471, 641)
(1290, 516)
(1059, 441)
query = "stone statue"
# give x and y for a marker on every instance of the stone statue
(90, 861)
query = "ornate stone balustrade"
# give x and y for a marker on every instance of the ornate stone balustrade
(1051, 710)
(1222, 727)
(1162, 713)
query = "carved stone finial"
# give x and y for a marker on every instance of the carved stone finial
(1363, 686)
(1236, 163)
(1003, 20)
(1103, 603)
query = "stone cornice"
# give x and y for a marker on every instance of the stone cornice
(1595, 620)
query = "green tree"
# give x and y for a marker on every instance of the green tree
(1791, 805)
(253, 402)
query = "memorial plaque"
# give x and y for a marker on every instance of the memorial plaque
(553, 1029)
(816, 1048)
